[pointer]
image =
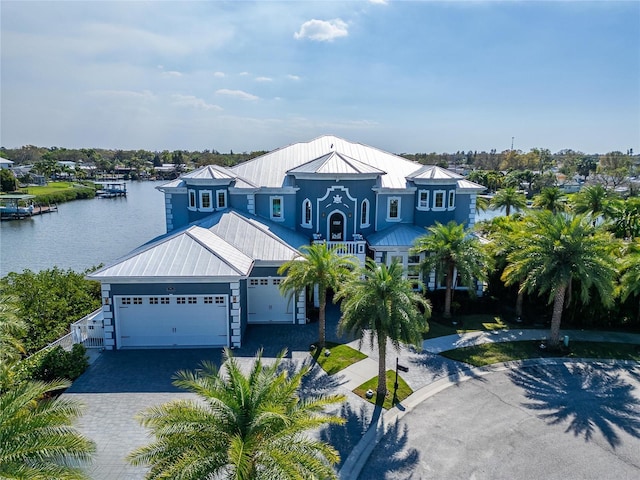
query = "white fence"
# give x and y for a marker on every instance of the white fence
(88, 331)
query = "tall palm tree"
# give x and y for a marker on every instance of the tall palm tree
(242, 426)
(554, 251)
(449, 248)
(550, 198)
(37, 439)
(509, 198)
(321, 266)
(382, 304)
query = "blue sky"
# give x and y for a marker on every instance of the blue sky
(402, 76)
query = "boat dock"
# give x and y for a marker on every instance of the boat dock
(18, 206)
(111, 189)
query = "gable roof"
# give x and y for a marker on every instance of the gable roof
(194, 252)
(261, 240)
(335, 163)
(270, 169)
(433, 172)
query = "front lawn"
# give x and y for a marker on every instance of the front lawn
(439, 327)
(490, 353)
(341, 357)
(390, 400)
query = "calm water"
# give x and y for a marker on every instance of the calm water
(84, 233)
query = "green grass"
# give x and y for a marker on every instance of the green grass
(340, 358)
(52, 187)
(390, 400)
(490, 353)
(439, 327)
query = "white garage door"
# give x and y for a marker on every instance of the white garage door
(265, 304)
(172, 321)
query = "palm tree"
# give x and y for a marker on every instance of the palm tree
(591, 200)
(554, 251)
(321, 266)
(382, 304)
(509, 198)
(630, 279)
(550, 198)
(241, 426)
(11, 329)
(504, 233)
(625, 218)
(449, 248)
(36, 436)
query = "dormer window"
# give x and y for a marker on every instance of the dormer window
(438, 200)
(277, 213)
(205, 201)
(306, 213)
(423, 200)
(221, 198)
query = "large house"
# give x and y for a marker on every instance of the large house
(229, 229)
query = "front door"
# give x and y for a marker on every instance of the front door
(336, 227)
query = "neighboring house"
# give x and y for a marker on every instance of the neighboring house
(229, 229)
(5, 163)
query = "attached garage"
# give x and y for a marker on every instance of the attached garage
(172, 320)
(265, 303)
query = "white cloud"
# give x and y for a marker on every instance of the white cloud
(322, 30)
(293, 77)
(192, 101)
(264, 79)
(242, 74)
(236, 94)
(219, 74)
(379, 2)
(172, 73)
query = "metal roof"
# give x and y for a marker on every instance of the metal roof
(402, 234)
(336, 163)
(259, 239)
(433, 172)
(210, 172)
(194, 252)
(469, 185)
(270, 170)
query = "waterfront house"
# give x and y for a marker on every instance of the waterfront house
(229, 229)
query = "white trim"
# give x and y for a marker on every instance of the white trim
(397, 218)
(424, 207)
(193, 206)
(365, 220)
(452, 196)
(202, 207)
(304, 223)
(226, 200)
(444, 199)
(280, 217)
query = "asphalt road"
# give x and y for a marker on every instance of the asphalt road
(572, 421)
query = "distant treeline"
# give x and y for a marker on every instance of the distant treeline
(139, 162)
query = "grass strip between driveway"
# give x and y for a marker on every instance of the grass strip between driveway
(339, 358)
(439, 327)
(490, 353)
(390, 400)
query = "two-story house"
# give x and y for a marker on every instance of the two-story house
(229, 229)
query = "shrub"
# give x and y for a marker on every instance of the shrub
(58, 363)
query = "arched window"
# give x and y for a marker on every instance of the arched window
(364, 213)
(306, 213)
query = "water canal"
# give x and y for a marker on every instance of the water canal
(83, 233)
